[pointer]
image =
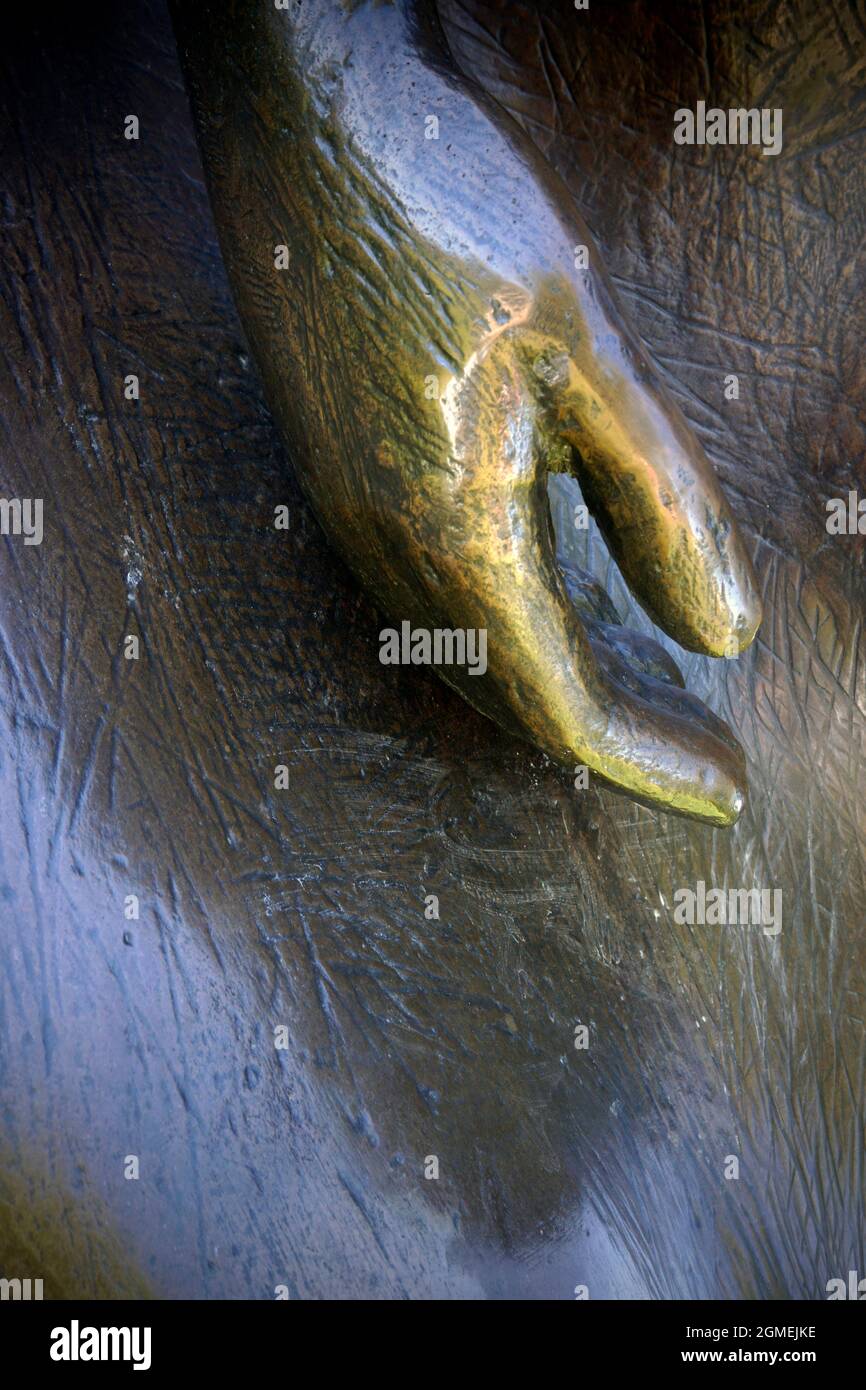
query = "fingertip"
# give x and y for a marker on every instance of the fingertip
(717, 798)
(730, 803)
(731, 631)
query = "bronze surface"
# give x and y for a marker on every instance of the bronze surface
(306, 907)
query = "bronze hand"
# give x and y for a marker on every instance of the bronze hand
(433, 350)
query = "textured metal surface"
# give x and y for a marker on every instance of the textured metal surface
(412, 1037)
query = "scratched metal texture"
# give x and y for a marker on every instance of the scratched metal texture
(410, 1037)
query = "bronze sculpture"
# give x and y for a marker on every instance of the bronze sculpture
(431, 351)
(414, 1036)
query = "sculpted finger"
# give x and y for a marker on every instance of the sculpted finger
(604, 626)
(635, 650)
(641, 469)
